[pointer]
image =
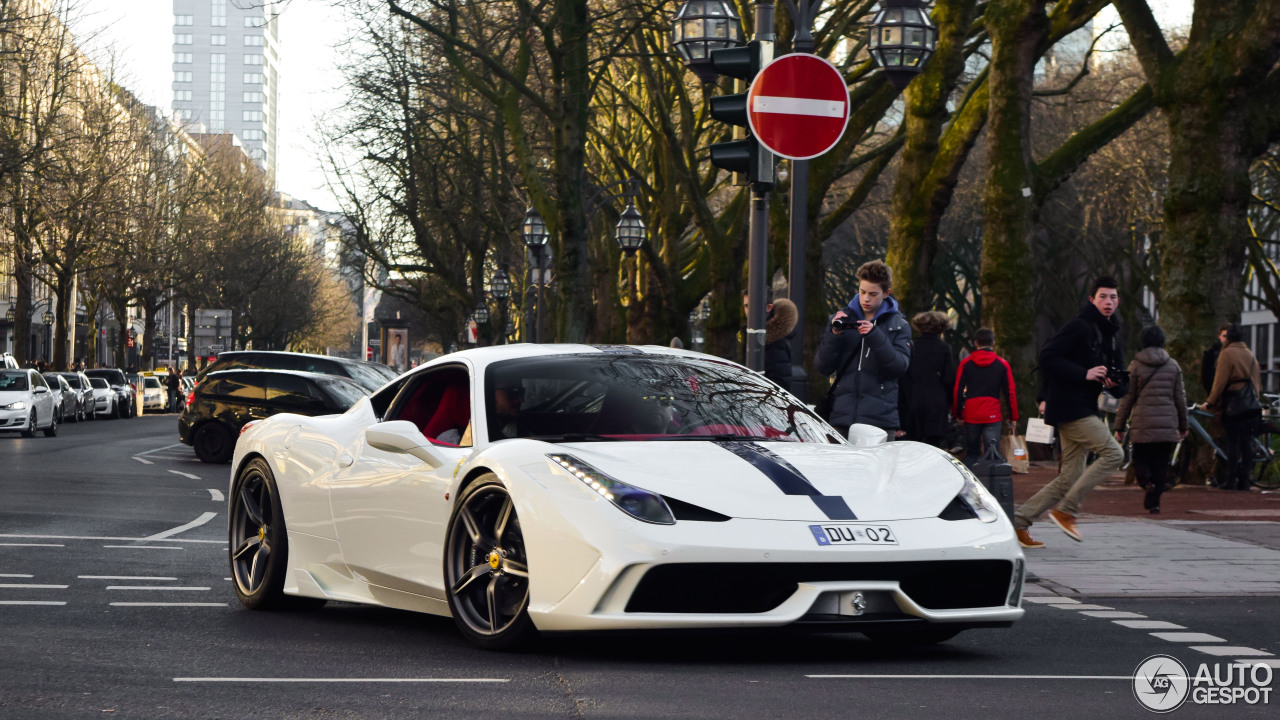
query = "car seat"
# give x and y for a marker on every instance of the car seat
(452, 412)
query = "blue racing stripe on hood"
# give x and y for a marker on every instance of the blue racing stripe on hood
(788, 479)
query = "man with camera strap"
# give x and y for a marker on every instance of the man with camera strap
(1081, 361)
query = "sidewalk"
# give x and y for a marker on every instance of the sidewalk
(1204, 542)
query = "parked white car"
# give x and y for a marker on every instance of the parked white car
(104, 398)
(153, 394)
(26, 403)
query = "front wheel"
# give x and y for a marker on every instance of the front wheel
(259, 541)
(52, 430)
(31, 427)
(486, 568)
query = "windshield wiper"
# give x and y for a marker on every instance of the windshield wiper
(573, 437)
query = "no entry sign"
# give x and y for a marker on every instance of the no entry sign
(798, 106)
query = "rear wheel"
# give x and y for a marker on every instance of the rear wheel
(213, 443)
(915, 637)
(486, 568)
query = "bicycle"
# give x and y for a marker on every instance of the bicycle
(1265, 472)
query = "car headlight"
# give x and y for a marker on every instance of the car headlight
(20, 405)
(636, 502)
(976, 496)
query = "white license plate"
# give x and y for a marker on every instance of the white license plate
(846, 534)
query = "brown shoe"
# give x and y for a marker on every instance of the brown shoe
(1066, 523)
(1024, 538)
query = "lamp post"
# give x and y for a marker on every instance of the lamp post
(535, 236)
(631, 234)
(500, 288)
(902, 39)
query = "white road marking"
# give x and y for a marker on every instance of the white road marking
(338, 680)
(30, 545)
(1187, 637)
(1269, 662)
(186, 475)
(1083, 606)
(95, 537)
(152, 587)
(33, 587)
(1052, 600)
(144, 461)
(123, 577)
(31, 602)
(216, 495)
(797, 106)
(166, 447)
(168, 605)
(145, 547)
(15, 575)
(204, 518)
(1113, 614)
(1224, 651)
(1149, 625)
(971, 677)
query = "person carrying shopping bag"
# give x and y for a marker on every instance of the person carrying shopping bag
(1156, 410)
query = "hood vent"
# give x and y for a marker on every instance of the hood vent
(688, 511)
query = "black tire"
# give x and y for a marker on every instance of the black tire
(31, 426)
(259, 542)
(915, 637)
(214, 443)
(52, 430)
(486, 570)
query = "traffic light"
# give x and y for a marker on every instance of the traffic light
(746, 157)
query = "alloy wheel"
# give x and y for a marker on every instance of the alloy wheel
(251, 519)
(487, 571)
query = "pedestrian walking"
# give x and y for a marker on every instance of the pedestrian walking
(983, 378)
(1080, 362)
(1156, 411)
(868, 345)
(925, 392)
(1237, 373)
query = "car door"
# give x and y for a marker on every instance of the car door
(389, 508)
(238, 397)
(43, 401)
(293, 394)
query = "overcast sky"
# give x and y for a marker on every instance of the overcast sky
(141, 33)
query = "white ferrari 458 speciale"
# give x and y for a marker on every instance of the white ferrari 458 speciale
(583, 488)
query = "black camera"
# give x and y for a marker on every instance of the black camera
(1118, 376)
(845, 323)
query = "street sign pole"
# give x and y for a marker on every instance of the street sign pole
(758, 221)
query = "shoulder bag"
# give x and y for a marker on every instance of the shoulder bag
(1241, 403)
(827, 404)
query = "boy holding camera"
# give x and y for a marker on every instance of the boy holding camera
(1082, 360)
(868, 346)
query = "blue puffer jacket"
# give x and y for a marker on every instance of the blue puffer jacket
(868, 391)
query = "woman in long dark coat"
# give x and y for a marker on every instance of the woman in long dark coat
(925, 397)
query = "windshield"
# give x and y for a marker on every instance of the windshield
(613, 396)
(365, 375)
(151, 382)
(99, 383)
(13, 380)
(113, 377)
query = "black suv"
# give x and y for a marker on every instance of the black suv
(126, 394)
(370, 376)
(225, 401)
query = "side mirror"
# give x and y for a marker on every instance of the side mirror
(402, 436)
(40, 389)
(866, 435)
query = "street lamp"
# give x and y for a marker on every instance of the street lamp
(535, 236)
(630, 232)
(701, 26)
(46, 317)
(902, 39)
(480, 314)
(501, 285)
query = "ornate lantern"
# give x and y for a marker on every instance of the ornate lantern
(701, 26)
(902, 39)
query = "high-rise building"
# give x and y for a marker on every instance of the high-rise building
(225, 71)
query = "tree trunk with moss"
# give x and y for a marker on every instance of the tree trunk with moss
(1221, 95)
(1016, 28)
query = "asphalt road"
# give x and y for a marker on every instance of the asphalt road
(115, 601)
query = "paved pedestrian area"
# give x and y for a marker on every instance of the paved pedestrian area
(1140, 558)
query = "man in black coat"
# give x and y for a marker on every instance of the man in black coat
(1076, 362)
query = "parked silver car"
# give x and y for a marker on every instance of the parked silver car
(66, 401)
(26, 403)
(104, 398)
(80, 383)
